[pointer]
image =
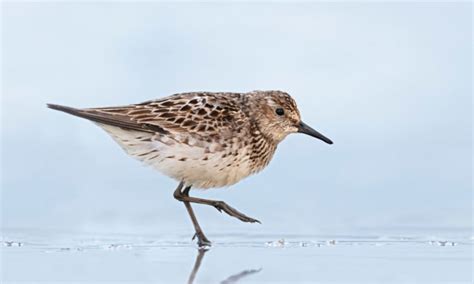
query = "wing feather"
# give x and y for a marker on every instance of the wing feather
(201, 115)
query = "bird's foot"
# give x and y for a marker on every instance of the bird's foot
(203, 242)
(222, 206)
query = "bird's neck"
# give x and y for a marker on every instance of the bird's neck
(262, 149)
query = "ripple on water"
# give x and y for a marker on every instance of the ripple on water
(115, 243)
(12, 244)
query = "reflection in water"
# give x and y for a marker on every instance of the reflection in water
(237, 277)
(229, 280)
(197, 264)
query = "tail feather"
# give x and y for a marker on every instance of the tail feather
(117, 120)
(131, 141)
(66, 109)
(87, 114)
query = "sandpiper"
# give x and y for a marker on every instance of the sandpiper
(203, 139)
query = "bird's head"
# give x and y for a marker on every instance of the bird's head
(277, 115)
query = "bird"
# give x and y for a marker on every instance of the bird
(203, 140)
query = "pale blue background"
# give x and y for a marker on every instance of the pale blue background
(389, 83)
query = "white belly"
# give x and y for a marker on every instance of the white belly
(194, 165)
(190, 165)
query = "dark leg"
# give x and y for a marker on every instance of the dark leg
(180, 195)
(219, 205)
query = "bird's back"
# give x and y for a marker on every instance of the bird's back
(204, 139)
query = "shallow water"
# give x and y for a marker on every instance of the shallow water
(244, 258)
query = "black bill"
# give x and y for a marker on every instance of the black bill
(304, 128)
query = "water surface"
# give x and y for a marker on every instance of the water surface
(246, 258)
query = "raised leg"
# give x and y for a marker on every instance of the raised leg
(219, 205)
(179, 195)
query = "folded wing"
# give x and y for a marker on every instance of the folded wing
(205, 115)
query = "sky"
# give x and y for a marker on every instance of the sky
(389, 83)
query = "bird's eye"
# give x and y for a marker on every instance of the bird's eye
(280, 111)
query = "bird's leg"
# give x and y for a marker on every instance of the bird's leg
(181, 196)
(219, 205)
(202, 240)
